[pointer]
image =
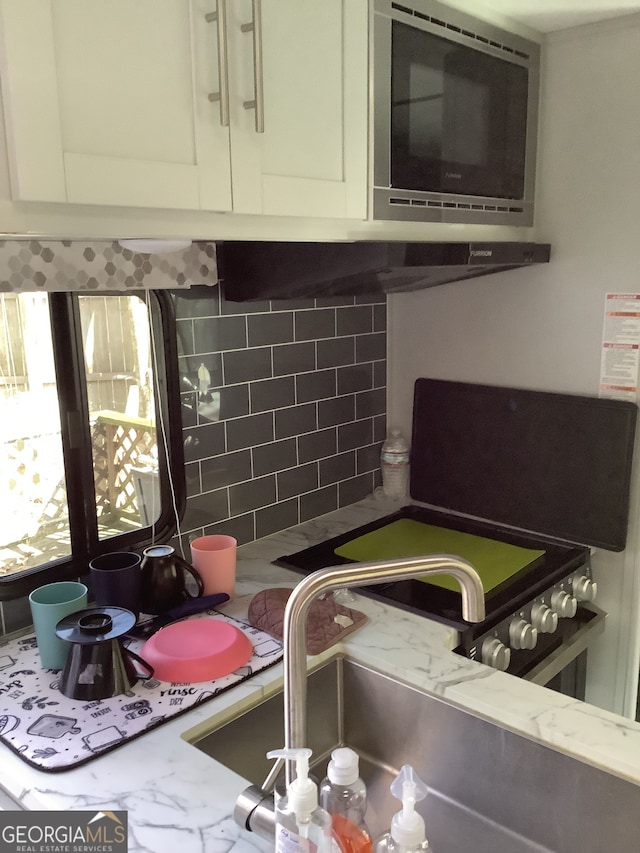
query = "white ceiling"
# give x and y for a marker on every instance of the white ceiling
(548, 15)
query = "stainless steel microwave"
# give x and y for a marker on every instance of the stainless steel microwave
(455, 113)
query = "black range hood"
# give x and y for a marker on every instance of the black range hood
(280, 270)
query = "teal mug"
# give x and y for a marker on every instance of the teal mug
(49, 604)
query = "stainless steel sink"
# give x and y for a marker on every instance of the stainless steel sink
(491, 791)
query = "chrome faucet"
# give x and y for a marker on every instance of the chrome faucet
(253, 809)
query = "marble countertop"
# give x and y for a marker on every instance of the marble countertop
(177, 798)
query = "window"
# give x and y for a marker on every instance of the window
(91, 450)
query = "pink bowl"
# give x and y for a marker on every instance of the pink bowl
(197, 650)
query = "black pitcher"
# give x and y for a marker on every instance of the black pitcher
(98, 666)
(164, 579)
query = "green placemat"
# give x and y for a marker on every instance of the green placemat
(495, 561)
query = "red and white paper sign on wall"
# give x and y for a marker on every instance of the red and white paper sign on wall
(620, 346)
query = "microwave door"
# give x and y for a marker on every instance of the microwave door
(484, 125)
(458, 118)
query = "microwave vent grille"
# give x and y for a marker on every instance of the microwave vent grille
(458, 205)
(439, 22)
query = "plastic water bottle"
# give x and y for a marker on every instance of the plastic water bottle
(394, 463)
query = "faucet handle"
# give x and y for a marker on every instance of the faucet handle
(269, 783)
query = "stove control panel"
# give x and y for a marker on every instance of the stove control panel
(529, 632)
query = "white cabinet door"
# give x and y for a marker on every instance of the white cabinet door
(311, 159)
(107, 103)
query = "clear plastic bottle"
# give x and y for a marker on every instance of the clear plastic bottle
(302, 826)
(394, 464)
(407, 832)
(344, 795)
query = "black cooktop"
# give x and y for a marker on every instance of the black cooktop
(559, 559)
(534, 469)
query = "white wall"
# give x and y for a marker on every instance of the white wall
(541, 327)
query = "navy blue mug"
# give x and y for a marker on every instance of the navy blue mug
(116, 580)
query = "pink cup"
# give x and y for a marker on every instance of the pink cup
(214, 558)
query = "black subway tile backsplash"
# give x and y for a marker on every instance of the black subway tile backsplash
(350, 491)
(290, 423)
(270, 329)
(334, 301)
(296, 358)
(334, 352)
(198, 301)
(220, 404)
(371, 299)
(367, 458)
(296, 420)
(354, 321)
(249, 431)
(269, 394)
(315, 386)
(259, 492)
(357, 434)
(244, 365)
(184, 334)
(241, 527)
(317, 445)
(189, 409)
(379, 318)
(276, 517)
(203, 441)
(276, 456)
(370, 403)
(379, 428)
(297, 481)
(217, 334)
(339, 410)
(371, 347)
(318, 323)
(192, 367)
(358, 377)
(206, 509)
(318, 503)
(379, 374)
(225, 470)
(192, 478)
(257, 307)
(337, 468)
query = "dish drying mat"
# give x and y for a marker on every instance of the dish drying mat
(52, 732)
(495, 561)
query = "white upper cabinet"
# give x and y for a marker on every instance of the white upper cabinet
(158, 104)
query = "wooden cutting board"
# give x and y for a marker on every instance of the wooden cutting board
(495, 561)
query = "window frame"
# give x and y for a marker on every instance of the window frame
(66, 332)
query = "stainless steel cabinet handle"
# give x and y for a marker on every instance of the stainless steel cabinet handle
(256, 28)
(223, 66)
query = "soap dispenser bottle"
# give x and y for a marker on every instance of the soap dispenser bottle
(344, 795)
(407, 832)
(302, 826)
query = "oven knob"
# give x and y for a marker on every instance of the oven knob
(564, 604)
(496, 654)
(543, 618)
(522, 635)
(584, 589)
